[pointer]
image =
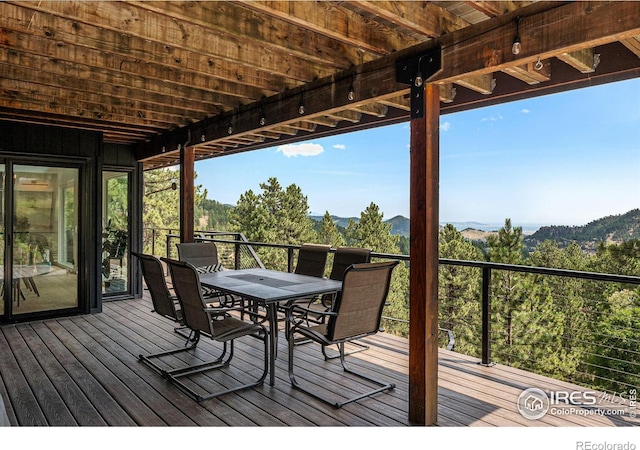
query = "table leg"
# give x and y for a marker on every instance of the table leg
(272, 312)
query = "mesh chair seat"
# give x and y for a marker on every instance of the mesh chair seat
(164, 302)
(355, 313)
(214, 321)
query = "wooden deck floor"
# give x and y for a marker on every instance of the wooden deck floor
(83, 371)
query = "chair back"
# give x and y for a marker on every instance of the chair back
(311, 259)
(153, 274)
(202, 255)
(186, 284)
(359, 306)
(346, 256)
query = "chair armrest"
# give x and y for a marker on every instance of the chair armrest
(297, 308)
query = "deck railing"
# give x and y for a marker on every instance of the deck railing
(608, 358)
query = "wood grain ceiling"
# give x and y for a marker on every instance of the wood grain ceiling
(231, 76)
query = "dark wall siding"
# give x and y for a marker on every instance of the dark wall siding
(85, 148)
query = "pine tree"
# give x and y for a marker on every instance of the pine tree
(274, 216)
(505, 247)
(459, 291)
(329, 233)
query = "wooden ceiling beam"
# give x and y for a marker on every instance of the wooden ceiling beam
(486, 47)
(531, 73)
(496, 8)
(423, 19)
(632, 44)
(476, 50)
(447, 92)
(484, 83)
(585, 60)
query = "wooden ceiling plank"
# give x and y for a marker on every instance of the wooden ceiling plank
(132, 72)
(229, 79)
(422, 19)
(82, 86)
(133, 21)
(249, 24)
(329, 19)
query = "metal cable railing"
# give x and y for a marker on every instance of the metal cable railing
(554, 322)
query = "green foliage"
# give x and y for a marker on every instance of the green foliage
(161, 207)
(276, 215)
(582, 331)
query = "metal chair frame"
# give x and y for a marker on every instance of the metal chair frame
(213, 321)
(329, 333)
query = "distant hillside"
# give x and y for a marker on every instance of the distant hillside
(610, 229)
(399, 225)
(339, 221)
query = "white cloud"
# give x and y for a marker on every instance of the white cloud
(445, 126)
(525, 111)
(305, 149)
(340, 146)
(492, 118)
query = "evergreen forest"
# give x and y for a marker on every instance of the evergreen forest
(582, 331)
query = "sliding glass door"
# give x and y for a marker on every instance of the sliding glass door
(42, 249)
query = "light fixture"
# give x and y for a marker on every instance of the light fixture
(301, 107)
(352, 92)
(516, 47)
(230, 129)
(263, 119)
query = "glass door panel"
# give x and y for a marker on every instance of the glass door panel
(115, 233)
(45, 219)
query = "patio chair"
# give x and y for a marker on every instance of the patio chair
(164, 303)
(312, 259)
(355, 313)
(343, 258)
(204, 257)
(214, 321)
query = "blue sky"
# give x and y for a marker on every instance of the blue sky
(562, 159)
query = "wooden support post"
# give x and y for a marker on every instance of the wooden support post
(423, 326)
(187, 175)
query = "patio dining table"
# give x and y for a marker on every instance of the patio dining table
(269, 288)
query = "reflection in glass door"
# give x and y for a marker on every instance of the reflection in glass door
(44, 245)
(115, 233)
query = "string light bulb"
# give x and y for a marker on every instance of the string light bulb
(351, 95)
(517, 46)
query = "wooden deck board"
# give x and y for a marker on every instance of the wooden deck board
(84, 370)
